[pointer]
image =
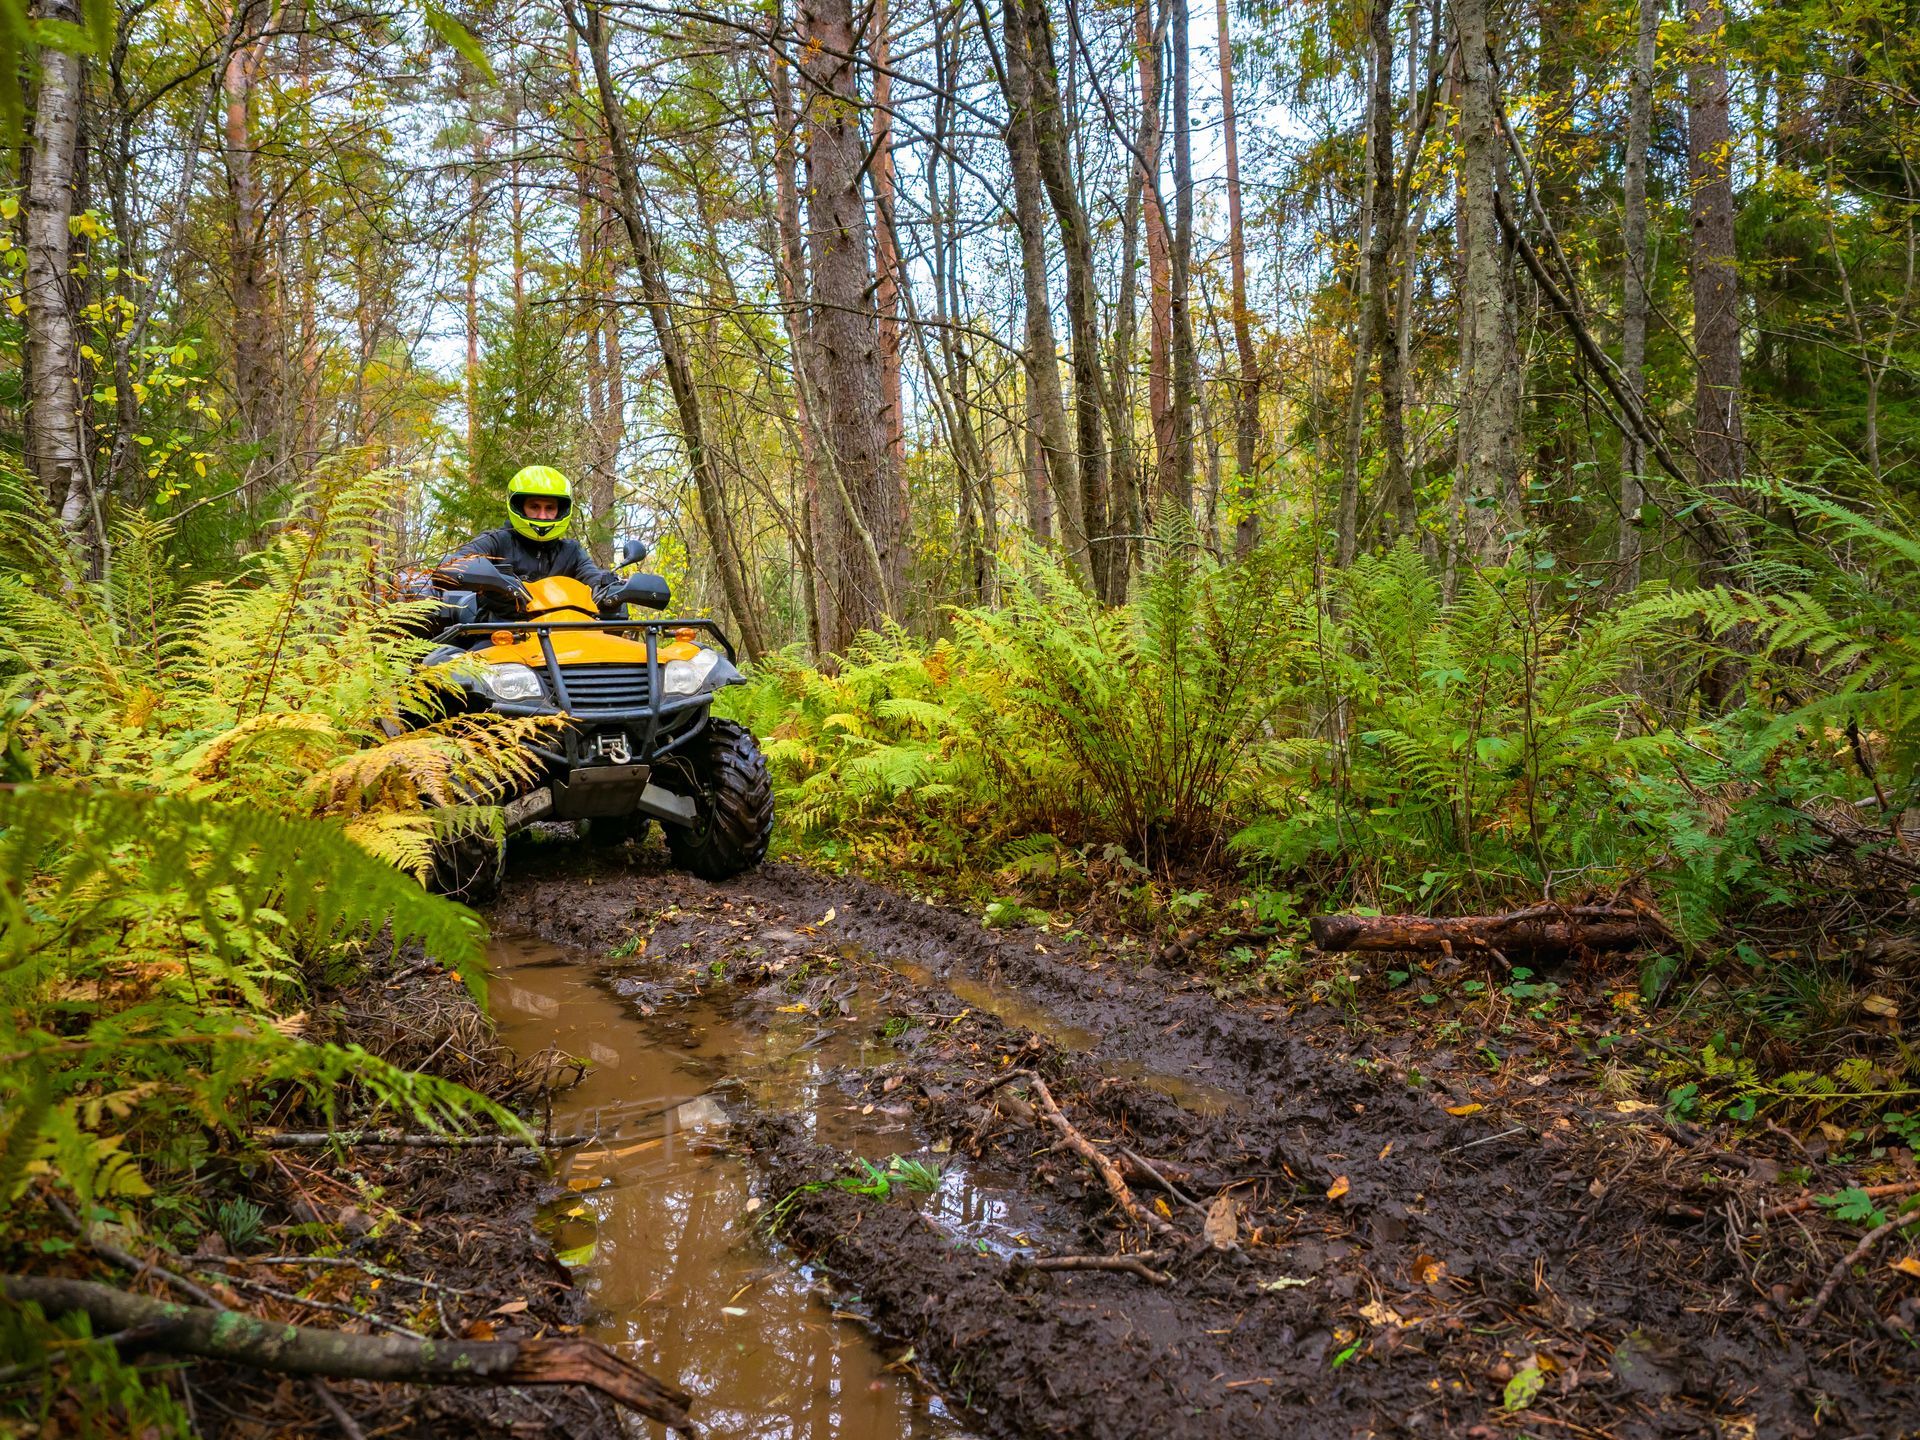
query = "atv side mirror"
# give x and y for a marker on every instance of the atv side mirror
(649, 591)
(629, 552)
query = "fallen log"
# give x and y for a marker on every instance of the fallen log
(1537, 930)
(299, 1350)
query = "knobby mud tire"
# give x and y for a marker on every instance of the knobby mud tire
(468, 869)
(736, 805)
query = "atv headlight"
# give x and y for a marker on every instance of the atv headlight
(511, 682)
(689, 677)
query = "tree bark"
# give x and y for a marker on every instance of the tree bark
(1030, 48)
(1148, 39)
(1246, 429)
(1634, 260)
(790, 277)
(274, 1345)
(886, 254)
(54, 438)
(1046, 401)
(256, 332)
(673, 354)
(1347, 508)
(867, 563)
(1185, 361)
(1719, 445)
(1489, 389)
(1389, 219)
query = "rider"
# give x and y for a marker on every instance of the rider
(533, 545)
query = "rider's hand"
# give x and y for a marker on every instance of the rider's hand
(519, 596)
(606, 594)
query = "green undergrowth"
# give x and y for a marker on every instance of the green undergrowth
(201, 816)
(1240, 749)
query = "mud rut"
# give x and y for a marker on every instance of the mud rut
(1391, 1267)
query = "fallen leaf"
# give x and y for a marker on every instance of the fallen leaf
(1883, 1006)
(731, 1310)
(1633, 1107)
(1222, 1227)
(1160, 1205)
(892, 1083)
(1523, 1388)
(512, 1307)
(1286, 1282)
(793, 1009)
(1383, 1316)
(1908, 1266)
(827, 919)
(1386, 1150)
(1338, 1188)
(1833, 1132)
(1428, 1271)
(1473, 1108)
(479, 1330)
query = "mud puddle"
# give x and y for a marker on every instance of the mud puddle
(1019, 1013)
(660, 1229)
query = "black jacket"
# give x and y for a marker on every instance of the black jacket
(531, 560)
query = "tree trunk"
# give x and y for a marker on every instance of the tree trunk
(886, 254)
(1030, 26)
(1389, 218)
(1185, 362)
(470, 276)
(1148, 43)
(1489, 394)
(673, 355)
(54, 439)
(1046, 402)
(1633, 310)
(1347, 508)
(790, 277)
(255, 336)
(867, 564)
(1719, 446)
(1246, 429)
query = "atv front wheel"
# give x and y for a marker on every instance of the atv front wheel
(735, 800)
(468, 867)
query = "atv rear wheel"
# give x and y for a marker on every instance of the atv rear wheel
(735, 800)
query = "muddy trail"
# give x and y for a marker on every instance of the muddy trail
(1156, 1214)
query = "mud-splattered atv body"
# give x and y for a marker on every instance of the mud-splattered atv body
(637, 740)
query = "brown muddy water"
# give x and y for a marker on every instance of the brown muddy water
(660, 1229)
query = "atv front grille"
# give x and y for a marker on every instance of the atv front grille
(606, 687)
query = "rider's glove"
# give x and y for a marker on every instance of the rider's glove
(606, 594)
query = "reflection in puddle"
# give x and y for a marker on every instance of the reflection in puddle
(678, 1277)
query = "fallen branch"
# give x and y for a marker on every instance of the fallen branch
(1808, 1202)
(1868, 1243)
(1130, 1264)
(321, 1139)
(1109, 1172)
(297, 1350)
(1537, 930)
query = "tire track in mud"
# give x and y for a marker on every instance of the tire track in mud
(1401, 1270)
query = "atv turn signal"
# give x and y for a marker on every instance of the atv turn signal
(501, 637)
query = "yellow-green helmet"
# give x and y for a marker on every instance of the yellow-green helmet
(540, 480)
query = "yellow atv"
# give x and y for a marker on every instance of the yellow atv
(638, 742)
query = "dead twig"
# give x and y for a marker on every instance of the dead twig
(1868, 1243)
(1130, 1264)
(1809, 1202)
(1108, 1172)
